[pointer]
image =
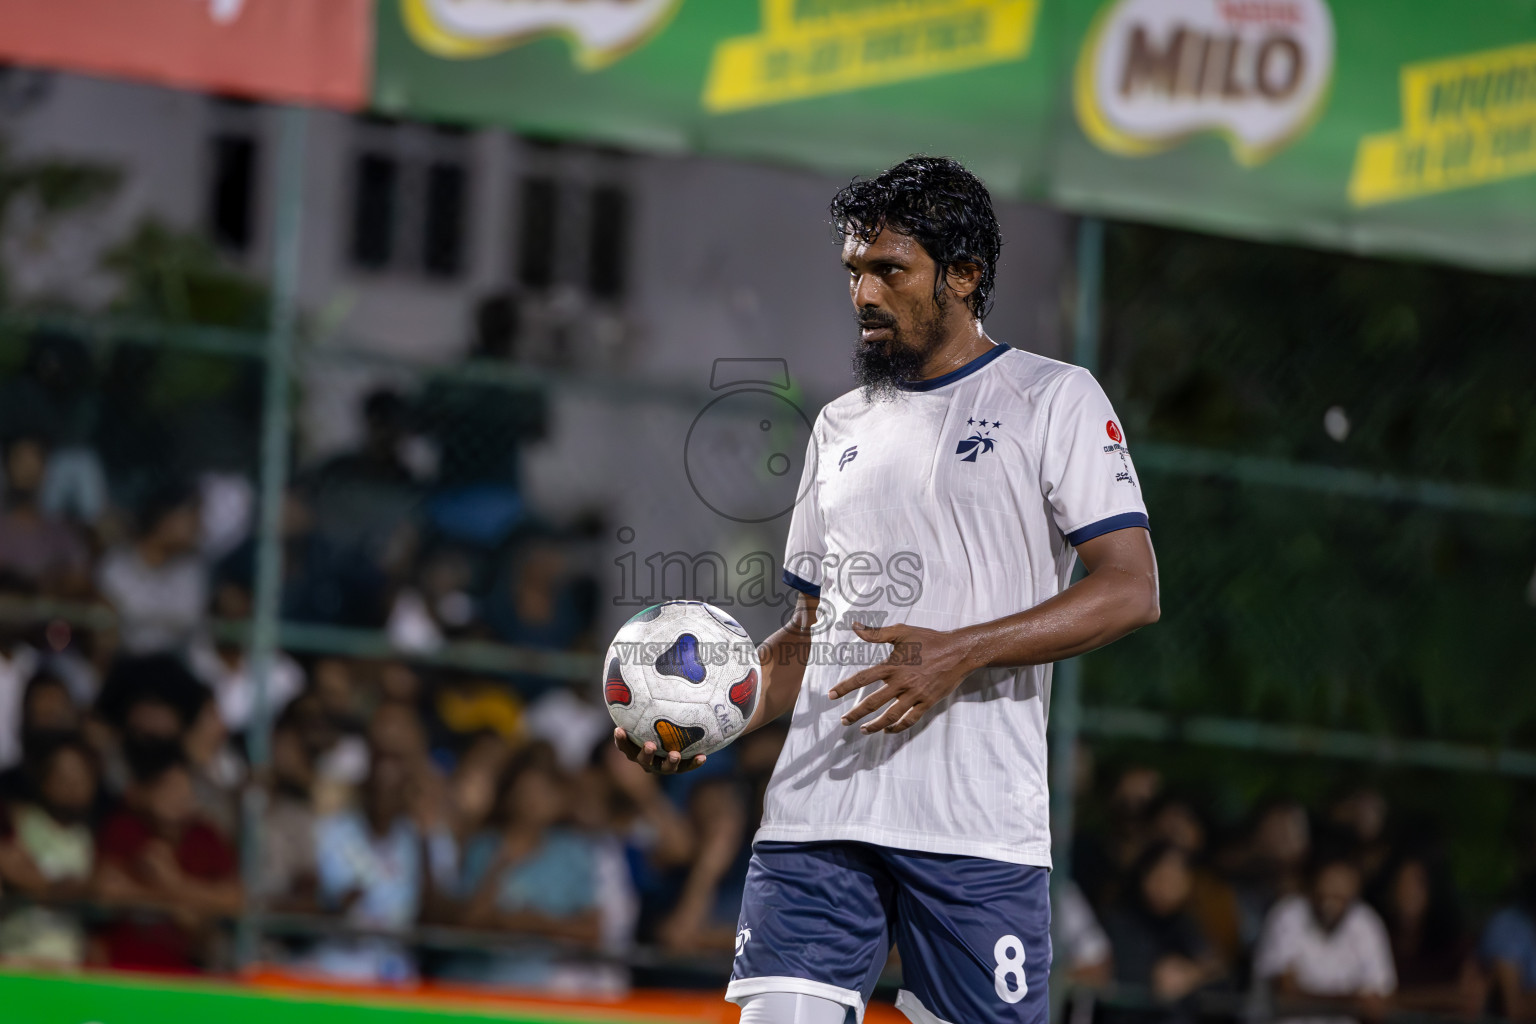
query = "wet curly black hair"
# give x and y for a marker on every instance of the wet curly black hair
(936, 201)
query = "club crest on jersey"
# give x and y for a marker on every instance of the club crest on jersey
(979, 443)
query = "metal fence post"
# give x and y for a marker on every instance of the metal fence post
(1066, 691)
(287, 251)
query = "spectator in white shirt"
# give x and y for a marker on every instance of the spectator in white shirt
(1328, 947)
(224, 666)
(158, 584)
(1080, 937)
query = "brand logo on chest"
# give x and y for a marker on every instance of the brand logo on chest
(980, 441)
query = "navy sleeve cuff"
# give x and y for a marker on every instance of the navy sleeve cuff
(1123, 521)
(805, 587)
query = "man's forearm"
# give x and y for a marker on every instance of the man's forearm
(1119, 594)
(784, 656)
(1099, 609)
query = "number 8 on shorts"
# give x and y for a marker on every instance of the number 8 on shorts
(1008, 975)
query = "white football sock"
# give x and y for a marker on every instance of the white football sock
(791, 1008)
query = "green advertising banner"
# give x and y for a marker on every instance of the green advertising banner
(1390, 126)
(841, 85)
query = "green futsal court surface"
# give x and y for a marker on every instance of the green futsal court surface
(104, 999)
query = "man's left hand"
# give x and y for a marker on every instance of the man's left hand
(924, 667)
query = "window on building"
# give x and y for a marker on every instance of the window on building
(443, 231)
(536, 256)
(233, 173)
(410, 199)
(573, 221)
(375, 206)
(608, 242)
(232, 191)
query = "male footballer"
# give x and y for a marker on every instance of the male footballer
(909, 804)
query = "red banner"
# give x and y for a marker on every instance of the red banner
(298, 51)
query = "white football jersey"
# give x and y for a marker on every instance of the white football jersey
(956, 502)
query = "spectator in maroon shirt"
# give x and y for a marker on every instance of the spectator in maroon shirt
(172, 873)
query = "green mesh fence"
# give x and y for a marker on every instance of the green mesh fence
(1340, 460)
(1400, 608)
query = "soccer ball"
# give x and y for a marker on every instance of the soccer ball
(683, 675)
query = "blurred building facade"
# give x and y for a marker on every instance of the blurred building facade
(641, 269)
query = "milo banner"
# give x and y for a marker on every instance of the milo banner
(1390, 126)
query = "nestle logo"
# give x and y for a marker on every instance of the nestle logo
(1264, 12)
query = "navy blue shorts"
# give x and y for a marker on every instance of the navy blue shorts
(974, 934)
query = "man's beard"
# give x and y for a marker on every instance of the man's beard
(881, 367)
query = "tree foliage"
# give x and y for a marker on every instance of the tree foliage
(50, 189)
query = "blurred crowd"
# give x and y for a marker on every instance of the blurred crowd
(394, 797)
(394, 801)
(1336, 911)
(410, 820)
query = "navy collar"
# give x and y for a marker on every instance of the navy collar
(998, 348)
